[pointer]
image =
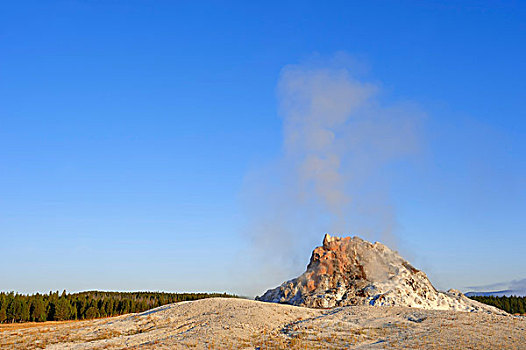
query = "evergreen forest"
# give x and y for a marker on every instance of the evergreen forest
(86, 305)
(512, 304)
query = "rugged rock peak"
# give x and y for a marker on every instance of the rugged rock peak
(351, 271)
(328, 239)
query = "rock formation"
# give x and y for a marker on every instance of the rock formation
(351, 271)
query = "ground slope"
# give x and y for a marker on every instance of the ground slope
(244, 324)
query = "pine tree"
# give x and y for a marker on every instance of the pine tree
(91, 312)
(38, 310)
(24, 309)
(3, 314)
(63, 310)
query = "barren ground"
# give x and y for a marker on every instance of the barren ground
(244, 324)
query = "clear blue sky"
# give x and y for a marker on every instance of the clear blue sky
(127, 129)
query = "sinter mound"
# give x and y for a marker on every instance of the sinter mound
(351, 271)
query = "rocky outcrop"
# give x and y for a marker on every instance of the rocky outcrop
(351, 271)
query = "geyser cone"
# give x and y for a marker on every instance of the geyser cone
(351, 271)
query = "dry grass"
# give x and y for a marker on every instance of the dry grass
(26, 325)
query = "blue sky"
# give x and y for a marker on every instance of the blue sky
(128, 128)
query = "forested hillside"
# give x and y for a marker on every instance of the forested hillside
(86, 305)
(512, 305)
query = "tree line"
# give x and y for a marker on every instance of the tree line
(37, 307)
(512, 304)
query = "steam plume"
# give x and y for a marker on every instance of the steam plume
(338, 143)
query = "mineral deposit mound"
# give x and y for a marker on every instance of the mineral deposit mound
(351, 271)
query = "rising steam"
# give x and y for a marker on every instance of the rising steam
(339, 141)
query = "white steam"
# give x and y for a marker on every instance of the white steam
(339, 142)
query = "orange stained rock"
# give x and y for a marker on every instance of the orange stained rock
(311, 285)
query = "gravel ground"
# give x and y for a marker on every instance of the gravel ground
(220, 323)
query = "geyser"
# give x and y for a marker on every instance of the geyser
(351, 271)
